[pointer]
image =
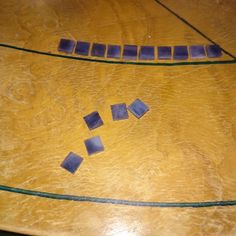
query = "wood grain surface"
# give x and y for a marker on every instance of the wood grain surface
(182, 150)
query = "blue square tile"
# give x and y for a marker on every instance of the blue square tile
(213, 51)
(180, 52)
(119, 111)
(94, 145)
(98, 50)
(138, 108)
(113, 51)
(82, 48)
(66, 45)
(93, 120)
(72, 162)
(197, 51)
(130, 52)
(164, 52)
(146, 53)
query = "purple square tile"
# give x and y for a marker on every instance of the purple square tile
(94, 145)
(93, 120)
(138, 108)
(130, 52)
(113, 51)
(146, 53)
(72, 162)
(98, 50)
(164, 52)
(213, 51)
(82, 48)
(180, 52)
(119, 111)
(197, 51)
(66, 45)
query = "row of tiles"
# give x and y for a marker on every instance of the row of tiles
(93, 120)
(132, 52)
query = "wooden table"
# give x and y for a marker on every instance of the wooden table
(182, 151)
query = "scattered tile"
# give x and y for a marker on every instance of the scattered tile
(164, 52)
(146, 53)
(180, 52)
(213, 51)
(94, 145)
(82, 48)
(119, 111)
(93, 120)
(113, 51)
(197, 51)
(138, 108)
(72, 162)
(130, 52)
(66, 45)
(98, 50)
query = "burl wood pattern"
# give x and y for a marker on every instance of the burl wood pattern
(182, 150)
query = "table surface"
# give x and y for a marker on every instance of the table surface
(182, 151)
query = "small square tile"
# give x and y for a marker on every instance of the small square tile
(146, 53)
(94, 145)
(138, 108)
(66, 45)
(197, 51)
(98, 50)
(93, 120)
(180, 52)
(213, 51)
(113, 51)
(130, 52)
(119, 111)
(82, 48)
(72, 162)
(164, 52)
